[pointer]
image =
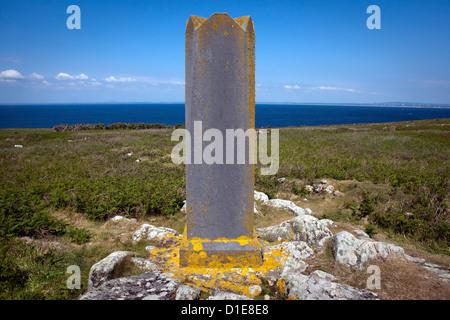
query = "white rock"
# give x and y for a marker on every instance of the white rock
(328, 223)
(222, 295)
(144, 264)
(254, 290)
(361, 235)
(286, 204)
(309, 188)
(324, 181)
(318, 188)
(301, 228)
(122, 219)
(338, 193)
(354, 252)
(329, 189)
(18, 146)
(150, 232)
(260, 196)
(103, 270)
(297, 249)
(186, 292)
(323, 275)
(308, 211)
(293, 265)
(183, 208)
(302, 287)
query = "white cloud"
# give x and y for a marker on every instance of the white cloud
(334, 89)
(292, 87)
(36, 76)
(11, 74)
(121, 79)
(66, 76)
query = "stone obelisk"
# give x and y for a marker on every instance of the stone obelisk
(220, 95)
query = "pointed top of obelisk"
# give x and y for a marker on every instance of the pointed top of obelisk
(195, 22)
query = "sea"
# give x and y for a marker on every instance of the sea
(267, 115)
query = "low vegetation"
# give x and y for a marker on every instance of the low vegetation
(395, 178)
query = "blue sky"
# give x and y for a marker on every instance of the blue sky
(306, 51)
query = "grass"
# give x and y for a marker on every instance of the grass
(64, 186)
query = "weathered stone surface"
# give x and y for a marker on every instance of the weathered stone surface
(302, 287)
(220, 97)
(153, 285)
(260, 196)
(328, 223)
(297, 249)
(286, 204)
(361, 235)
(293, 265)
(323, 275)
(150, 232)
(220, 94)
(301, 228)
(186, 292)
(144, 264)
(354, 252)
(224, 295)
(103, 270)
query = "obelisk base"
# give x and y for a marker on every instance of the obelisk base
(243, 252)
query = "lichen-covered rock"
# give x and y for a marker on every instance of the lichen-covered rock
(323, 275)
(153, 285)
(187, 292)
(144, 264)
(224, 295)
(150, 232)
(354, 252)
(302, 287)
(286, 204)
(297, 249)
(103, 270)
(293, 265)
(289, 256)
(301, 228)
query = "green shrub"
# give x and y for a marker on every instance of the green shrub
(370, 230)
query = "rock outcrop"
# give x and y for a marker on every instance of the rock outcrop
(103, 270)
(301, 228)
(285, 204)
(301, 287)
(153, 285)
(152, 233)
(354, 252)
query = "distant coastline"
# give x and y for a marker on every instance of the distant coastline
(378, 104)
(267, 114)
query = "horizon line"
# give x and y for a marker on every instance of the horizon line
(374, 104)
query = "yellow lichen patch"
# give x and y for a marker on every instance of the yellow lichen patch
(242, 280)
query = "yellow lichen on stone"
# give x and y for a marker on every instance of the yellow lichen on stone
(240, 279)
